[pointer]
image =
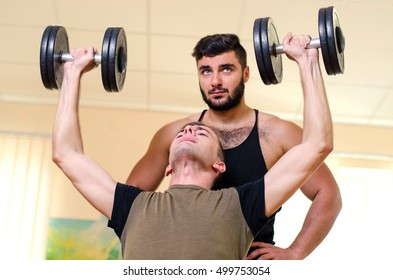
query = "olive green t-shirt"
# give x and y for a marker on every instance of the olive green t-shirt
(188, 222)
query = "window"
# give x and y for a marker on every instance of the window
(26, 172)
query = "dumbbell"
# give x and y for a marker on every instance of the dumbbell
(55, 51)
(268, 49)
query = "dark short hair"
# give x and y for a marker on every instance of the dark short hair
(216, 44)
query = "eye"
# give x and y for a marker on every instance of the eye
(179, 134)
(227, 69)
(205, 71)
(202, 133)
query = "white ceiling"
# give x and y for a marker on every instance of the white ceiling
(161, 34)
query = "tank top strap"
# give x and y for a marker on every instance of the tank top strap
(256, 120)
(202, 115)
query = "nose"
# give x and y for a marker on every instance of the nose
(189, 129)
(216, 81)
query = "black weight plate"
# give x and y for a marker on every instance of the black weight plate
(121, 59)
(104, 59)
(273, 63)
(258, 51)
(61, 46)
(112, 59)
(43, 51)
(57, 44)
(50, 57)
(117, 57)
(324, 41)
(336, 57)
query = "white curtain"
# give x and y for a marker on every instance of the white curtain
(26, 176)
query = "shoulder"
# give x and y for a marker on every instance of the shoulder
(275, 128)
(127, 191)
(270, 120)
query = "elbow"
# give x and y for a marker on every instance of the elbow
(57, 157)
(57, 151)
(327, 145)
(63, 161)
(323, 149)
(328, 148)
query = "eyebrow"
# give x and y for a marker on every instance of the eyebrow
(201, 127)
(225, 65)
(203, 67)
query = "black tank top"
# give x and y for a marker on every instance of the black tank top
(245, 163)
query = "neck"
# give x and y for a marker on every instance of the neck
(234, 117)
(188, 173)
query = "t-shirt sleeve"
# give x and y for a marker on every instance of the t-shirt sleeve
(252, 201)
(124, 197)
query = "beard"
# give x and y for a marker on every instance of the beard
(231, 102)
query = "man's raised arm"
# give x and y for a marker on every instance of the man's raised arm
(300, 162)
(93, 182)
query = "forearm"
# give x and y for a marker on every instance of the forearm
(317, 128)
(317, 224)
(324, 192)
(66, 132)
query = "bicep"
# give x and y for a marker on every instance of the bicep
(91, 180)
(288, 174)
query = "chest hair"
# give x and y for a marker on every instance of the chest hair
(232, 138)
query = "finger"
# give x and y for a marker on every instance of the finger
(258, 255)
(287, 38)
(252, 256)
(309, 38)
(265, 257)
(260, 244)
(306, 39)
(90, 52)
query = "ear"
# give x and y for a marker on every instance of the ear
(168, 170)
(219, 166)
(246, 74)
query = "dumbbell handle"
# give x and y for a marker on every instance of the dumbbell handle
(314, 44)
(66, 57)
